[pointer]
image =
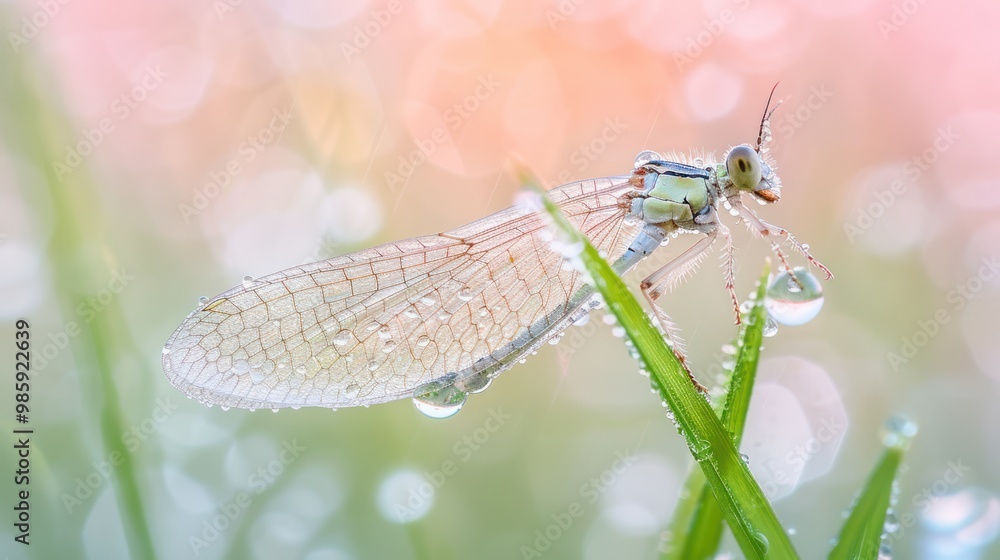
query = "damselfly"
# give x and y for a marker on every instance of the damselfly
(434, 318)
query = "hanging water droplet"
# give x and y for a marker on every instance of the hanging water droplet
(474, 384)
(248, 281)
(646, 156)
(423, 340)
(240, 367)
(223, 408)
(793, 302)
(898, 431)
(440, 402)
(770, 327)
(465, 294)
(202, 301)
(745, 458)
(166, 349)
(343, 338)
(582, 320)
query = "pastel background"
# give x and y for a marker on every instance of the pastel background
(155, 152)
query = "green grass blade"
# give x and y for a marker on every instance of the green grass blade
(861, 535)
(746, 509)
(695, 530)
(31, 133)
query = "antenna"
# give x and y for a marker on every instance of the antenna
(765, 120)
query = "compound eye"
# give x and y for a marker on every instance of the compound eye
(744, 167)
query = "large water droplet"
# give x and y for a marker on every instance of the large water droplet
(898, 431)
(440, 402)
(646, 156)
(794, 303)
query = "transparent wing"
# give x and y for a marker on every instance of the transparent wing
(375, 325)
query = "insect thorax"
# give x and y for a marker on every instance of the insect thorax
(674, 195)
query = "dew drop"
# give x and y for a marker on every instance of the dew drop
(428, 301)
(423, 340)
(618, 332)
(240, 367)
(898, 431)
(770, 327)
(343, 338)
(257, 375)
(385, 333)
(474, 384)
(794, 303)
(202, 301)
(465, 294)
(582, 320)
(761, 543)
(166, 349)
(352, 391)
(372, 366)
(745, 458)
(411, 313)
(389, 346)
(646, 156)
(223, 408)
(248, 282)
(440, 402)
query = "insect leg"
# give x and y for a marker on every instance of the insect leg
(668, 275)
(728, 265)
(769, 230)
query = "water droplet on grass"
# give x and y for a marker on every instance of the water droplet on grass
(898, 431)
(794, 303)
(770, 327)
